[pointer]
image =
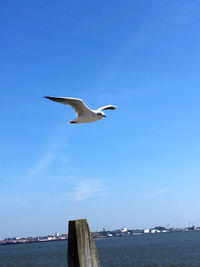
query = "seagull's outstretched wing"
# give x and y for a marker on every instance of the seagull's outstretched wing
(107, 107)
(76, 103)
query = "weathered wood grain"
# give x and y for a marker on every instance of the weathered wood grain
(82, 251)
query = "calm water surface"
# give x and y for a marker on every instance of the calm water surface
(167, 249)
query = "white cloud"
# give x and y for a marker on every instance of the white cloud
(88, 189)
(42, 164)
(52, 159)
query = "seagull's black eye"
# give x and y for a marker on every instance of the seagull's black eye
(98, 113)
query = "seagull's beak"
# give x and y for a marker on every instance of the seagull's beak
(104, 115)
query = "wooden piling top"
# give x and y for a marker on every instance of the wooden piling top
(82, 251)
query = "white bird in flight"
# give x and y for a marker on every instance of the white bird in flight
(84, 114)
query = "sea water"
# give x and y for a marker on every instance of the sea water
(164, 249)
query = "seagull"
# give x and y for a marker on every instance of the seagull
(84, 114)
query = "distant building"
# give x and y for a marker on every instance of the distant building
(64, 236)
(50, 237)
(137, 231)
(160, 229)
(146, 231)
(191, 228)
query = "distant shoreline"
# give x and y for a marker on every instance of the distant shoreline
(8, 243)
(30, 242)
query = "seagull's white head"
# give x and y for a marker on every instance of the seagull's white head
(100, 114)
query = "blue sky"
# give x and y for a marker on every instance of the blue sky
(136, 168)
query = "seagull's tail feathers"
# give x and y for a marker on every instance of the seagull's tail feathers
(74, 121)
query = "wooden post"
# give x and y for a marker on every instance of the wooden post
(82, 251)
